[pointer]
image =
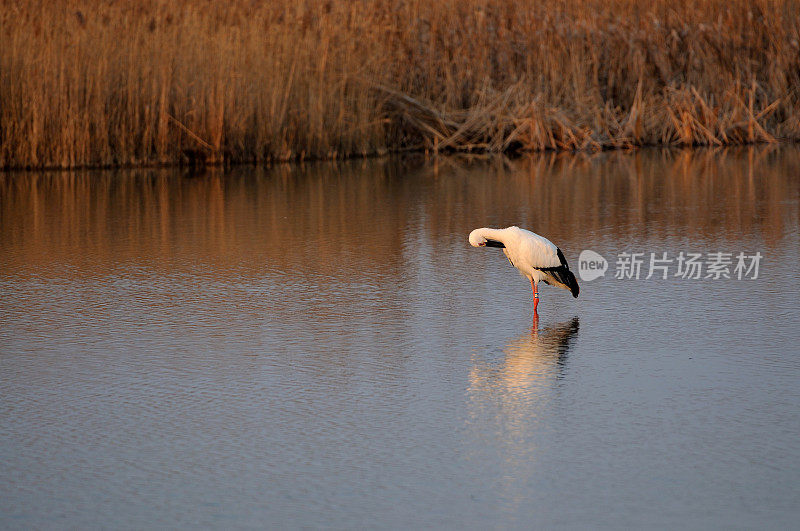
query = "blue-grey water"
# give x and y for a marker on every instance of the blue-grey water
(318, 346)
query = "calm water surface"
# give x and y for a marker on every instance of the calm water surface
(318, 346)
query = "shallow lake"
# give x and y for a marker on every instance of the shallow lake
(318, 345)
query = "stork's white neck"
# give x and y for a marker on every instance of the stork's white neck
(481, 235)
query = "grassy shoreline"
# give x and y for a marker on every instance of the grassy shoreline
(87, 83)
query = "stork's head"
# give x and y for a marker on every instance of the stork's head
(485, 238)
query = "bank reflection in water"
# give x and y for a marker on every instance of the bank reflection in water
(342, 217)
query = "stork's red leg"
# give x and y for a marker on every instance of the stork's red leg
(535, 298)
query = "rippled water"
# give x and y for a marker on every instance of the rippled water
(318, 346)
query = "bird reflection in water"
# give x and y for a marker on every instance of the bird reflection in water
(542, 351)
(530, 362)
(508, 398)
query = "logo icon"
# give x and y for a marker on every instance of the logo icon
(591, 265)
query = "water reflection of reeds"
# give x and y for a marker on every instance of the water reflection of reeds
(336, 218)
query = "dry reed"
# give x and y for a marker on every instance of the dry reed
(91, 83)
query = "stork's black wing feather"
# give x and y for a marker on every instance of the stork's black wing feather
(561, 258)
(562, 274)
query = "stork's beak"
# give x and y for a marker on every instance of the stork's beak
(493, 243)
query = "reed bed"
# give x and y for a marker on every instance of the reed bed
(113, 83)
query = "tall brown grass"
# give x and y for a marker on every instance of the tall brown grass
(128, 82)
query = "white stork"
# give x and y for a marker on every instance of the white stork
(536, 257)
